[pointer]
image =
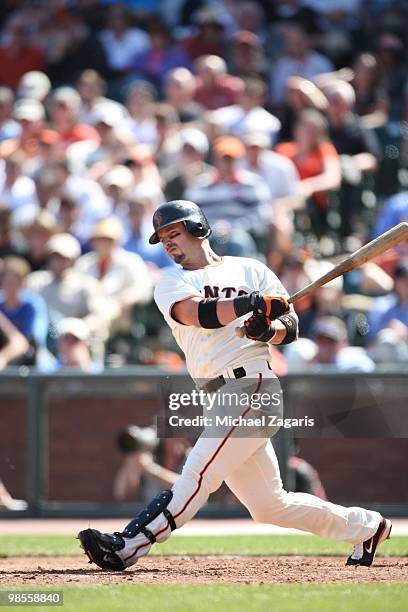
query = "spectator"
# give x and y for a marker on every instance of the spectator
(17, 54)
(123, 275)
(139, 223)
(168, 141)
(68, 218)
(291, 11)
(113, 146)
(65, 108)
(36, 236)
(357, 147)
(179, 90)
(72, 48)
(248, 115)
(16, 189)
(392, 60)
(26, 310)
(67, 292)
(162, 56)
(140, 104)
(299, 60)
(391, 311)
(332, 348)
(9, 128)
(117, 184)
(139, 472)
(73, 346)
(121, 41)
(7, 246)
(13, 344)
(214, 87)
(92, 88)
(34, 85)
(317, 163)
(209, 38)
(247, 60)
(278, 171)
(372, 101)
(88, 193)
(30, 115)
(232, 198)
(393, 211)
(190, 164)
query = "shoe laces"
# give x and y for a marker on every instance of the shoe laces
(358, 550)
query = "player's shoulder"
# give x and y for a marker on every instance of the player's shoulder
(170, 275)
(246, 262)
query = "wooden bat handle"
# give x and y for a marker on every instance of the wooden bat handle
(397, 234)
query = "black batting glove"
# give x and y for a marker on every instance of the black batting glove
(259, 328)
(272, 307)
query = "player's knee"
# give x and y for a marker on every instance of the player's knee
(270, 509)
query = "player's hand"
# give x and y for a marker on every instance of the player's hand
(269, 305)
(258, 327)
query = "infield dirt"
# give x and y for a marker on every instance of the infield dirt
(39, 571)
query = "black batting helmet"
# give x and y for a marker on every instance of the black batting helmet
(180, 210)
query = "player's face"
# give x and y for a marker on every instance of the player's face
(177, 242)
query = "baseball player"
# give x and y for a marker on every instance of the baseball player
(203, 299)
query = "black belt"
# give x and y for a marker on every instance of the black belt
(216, 383)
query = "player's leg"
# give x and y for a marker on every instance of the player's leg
(258, 485)
(207, 466)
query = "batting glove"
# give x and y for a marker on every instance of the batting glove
(258, 327)
(271, 306)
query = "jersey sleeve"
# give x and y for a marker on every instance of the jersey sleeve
(170, 289)
(270, 284)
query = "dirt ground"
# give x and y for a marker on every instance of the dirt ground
(36, 571)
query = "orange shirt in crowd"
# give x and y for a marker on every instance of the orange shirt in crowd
(310, 165)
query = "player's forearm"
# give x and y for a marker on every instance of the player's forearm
(187, 312)
(213, 313)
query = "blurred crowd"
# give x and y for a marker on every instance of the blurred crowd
(285, 120)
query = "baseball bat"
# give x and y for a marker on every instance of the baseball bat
(379, 245)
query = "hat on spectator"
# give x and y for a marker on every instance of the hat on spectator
(206, 16)
(68, 96)
(257, 139)
(228, 146)
(65, 245)
(35, 85)
(108, 228)
(74, 327)
(118, 176)
(401, 269)
(106, 112)
(330, 327)
(43, 221)
(247, 38)
(29, 110)
(196, 139)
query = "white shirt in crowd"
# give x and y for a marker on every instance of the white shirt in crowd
(236, 121)
(127, 271)
(210, 351)
(22, 192)
(278, 172)
(121, 51)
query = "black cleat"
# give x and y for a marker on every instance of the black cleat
(101, 548)
(364, 553)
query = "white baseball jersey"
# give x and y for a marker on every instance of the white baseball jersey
(209, 351)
